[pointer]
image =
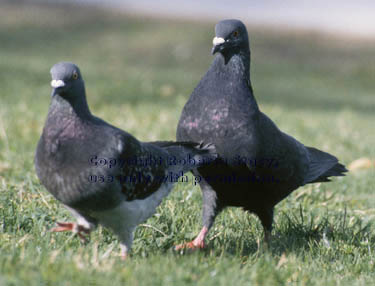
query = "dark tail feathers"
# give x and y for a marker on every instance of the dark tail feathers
(338, 170)
(322, 166)
(200, 152)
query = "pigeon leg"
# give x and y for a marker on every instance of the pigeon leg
(124, 252)
(199, 240)
(126, 235)
(211, 207)
(267, 236)
(78, 229)
(266, 217)
(265, 246)
(197, 243)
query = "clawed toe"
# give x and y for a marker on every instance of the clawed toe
(192, 245)
(80, 230)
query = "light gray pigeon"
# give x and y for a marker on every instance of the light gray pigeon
(102, 174)
(258, 164)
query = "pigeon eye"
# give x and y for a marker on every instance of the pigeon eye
(75, 75)
(235, 34)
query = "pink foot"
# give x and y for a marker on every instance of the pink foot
(197, 243)
(73, 227)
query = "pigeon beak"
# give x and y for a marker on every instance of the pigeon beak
(56, 84)
(218, 43)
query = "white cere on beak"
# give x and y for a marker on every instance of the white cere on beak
(217, 41)
(57, 83)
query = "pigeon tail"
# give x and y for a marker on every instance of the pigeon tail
(322, 166)
(186, 156)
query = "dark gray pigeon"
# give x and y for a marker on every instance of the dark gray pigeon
(100, 173)
(258, 164)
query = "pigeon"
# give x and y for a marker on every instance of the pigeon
(102, 174)
(258, 165)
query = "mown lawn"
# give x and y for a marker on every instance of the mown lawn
(138, 74)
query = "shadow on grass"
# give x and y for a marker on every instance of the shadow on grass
(295, 235)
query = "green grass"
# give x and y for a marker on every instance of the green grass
(139, 73)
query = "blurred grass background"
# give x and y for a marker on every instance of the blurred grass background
(139, 73)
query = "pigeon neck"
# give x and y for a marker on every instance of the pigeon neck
(236, 67)
(238, 62)
(70, 107)
(243, 57)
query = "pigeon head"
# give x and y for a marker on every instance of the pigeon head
(66, 80)
(230, 37)
(69, 89)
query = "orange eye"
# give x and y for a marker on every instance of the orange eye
(75, 75)
(236, 33)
